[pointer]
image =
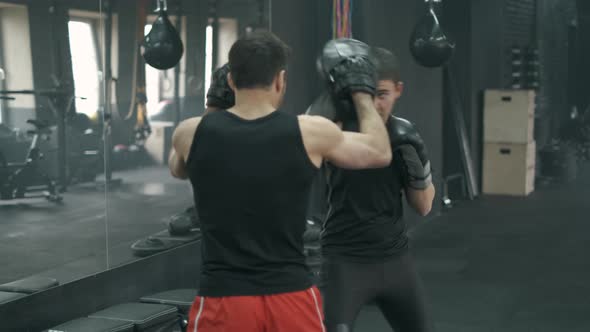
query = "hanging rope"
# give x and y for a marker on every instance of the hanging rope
(342, 19)
(138, 105)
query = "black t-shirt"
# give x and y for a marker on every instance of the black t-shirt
(251, 180)
(365, 213)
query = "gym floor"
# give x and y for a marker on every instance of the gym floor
(494, 264)
(506, 264)
(68, 241)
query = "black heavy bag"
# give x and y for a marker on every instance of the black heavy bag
(429, 45)
(162, 47)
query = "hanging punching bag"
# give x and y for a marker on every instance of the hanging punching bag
(429, 45)
(162, 47)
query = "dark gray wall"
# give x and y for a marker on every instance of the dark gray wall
(304, 39)
(456, 19)
(554, 17)
(583, 72)
(245, 11)
(487, 62)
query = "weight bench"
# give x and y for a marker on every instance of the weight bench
(145, 317)
(29, 285)
(182, 299)
(94, 325)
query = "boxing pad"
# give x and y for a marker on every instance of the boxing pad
(347, 66)
(429, 45)
(406, 140)
(162, 47)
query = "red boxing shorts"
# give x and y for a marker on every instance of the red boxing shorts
(287, 312)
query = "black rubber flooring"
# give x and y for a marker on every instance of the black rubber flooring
(507, 264)
(70, 241)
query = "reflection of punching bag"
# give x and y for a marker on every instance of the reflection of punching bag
(429, 44)
(162, 47)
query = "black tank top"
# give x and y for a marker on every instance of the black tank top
(365, 214)
(251, 180)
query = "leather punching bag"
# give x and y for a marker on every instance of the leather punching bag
(429, 45)
(162, 47)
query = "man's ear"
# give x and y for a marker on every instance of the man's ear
(399, 86)
(230, 82)
(281, 80)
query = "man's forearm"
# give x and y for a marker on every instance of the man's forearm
(371, 124)
(421, 200)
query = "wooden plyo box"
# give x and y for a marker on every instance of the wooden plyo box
(509, 116)
(509, 169)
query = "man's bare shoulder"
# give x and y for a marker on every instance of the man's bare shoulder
(319, 134)
(315, 122)
(187, 128)
(190, 124)
(184, 134)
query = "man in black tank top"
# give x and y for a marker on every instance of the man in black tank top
(364, 239)
(251, 167)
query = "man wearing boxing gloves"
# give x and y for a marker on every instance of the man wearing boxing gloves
(251, 168)
(364, 239)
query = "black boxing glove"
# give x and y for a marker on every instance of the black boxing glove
(355, 73)
(220, 95)
(329, 107)
(407, 141)
(323, 106)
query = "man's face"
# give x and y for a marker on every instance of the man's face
(387, 94)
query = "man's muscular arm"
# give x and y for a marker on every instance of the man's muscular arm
(372, 139)
(421, 200)
(177, 165)
(324, 140)
(182, 140)
(370, 148)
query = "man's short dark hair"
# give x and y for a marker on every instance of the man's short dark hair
(256, 59)
(388, 66)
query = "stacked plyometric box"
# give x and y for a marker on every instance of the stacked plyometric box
(509, 146)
